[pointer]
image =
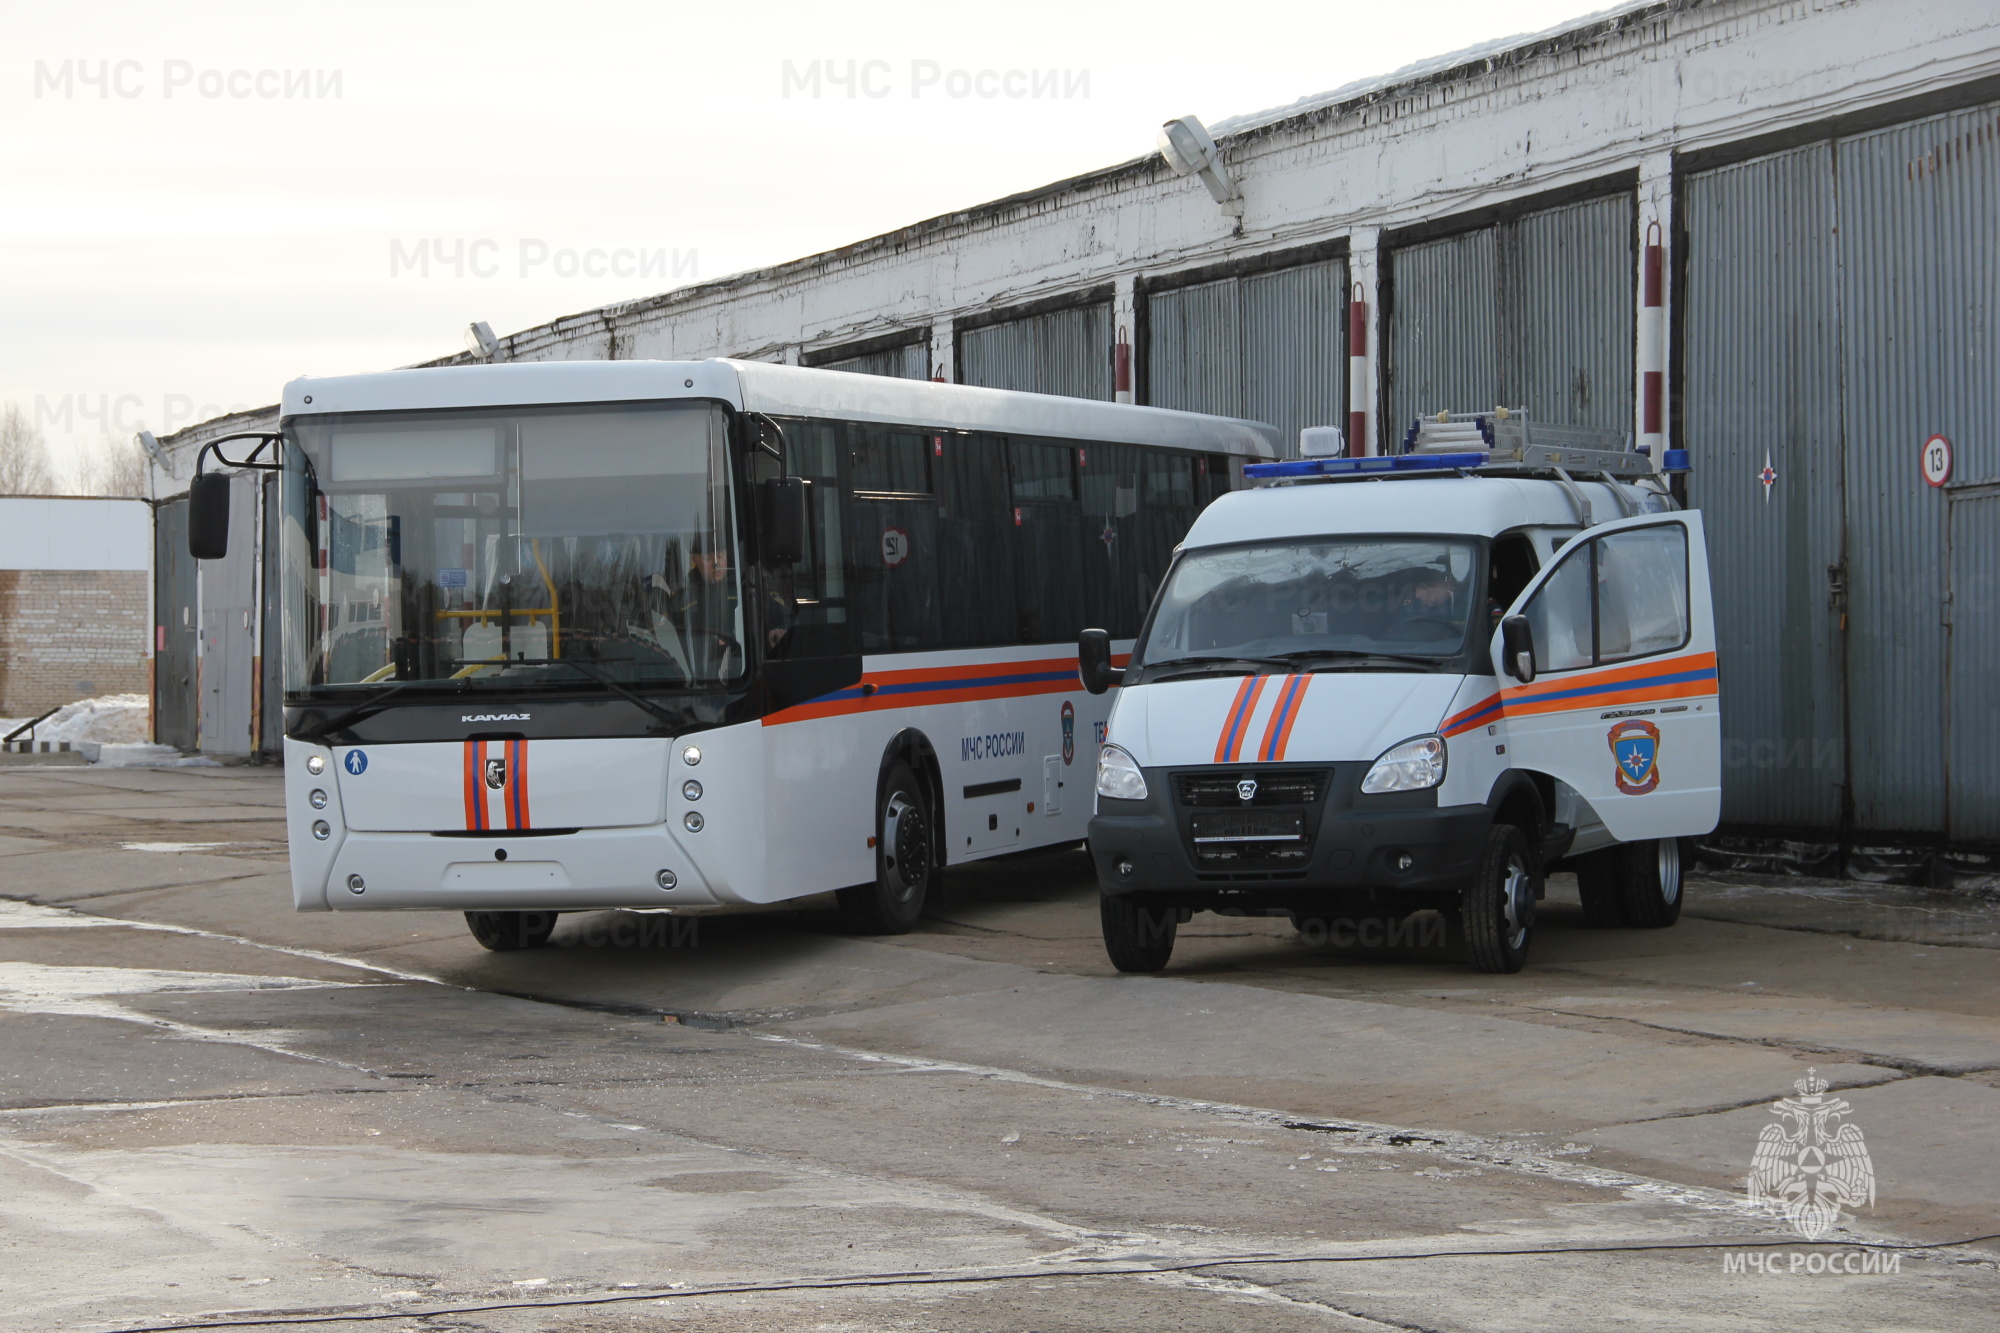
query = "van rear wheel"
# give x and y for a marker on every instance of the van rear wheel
(505, 932)
(1600, 885)
(905, 861)
(1138, 939)
(1651, 883)
(1498, 907)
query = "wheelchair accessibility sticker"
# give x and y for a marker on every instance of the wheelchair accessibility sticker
(1636, 747)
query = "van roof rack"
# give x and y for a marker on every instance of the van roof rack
(1499, 441)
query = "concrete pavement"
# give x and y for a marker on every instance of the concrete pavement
(209, 1103)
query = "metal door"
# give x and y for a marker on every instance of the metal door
(228, 629)
(1270, 347)
(1972, 730)
(1761, 367)
(176, 631)
(1920, 303)
(1624, 705)
(1065, 351)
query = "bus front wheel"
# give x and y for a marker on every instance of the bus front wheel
(504, 932)
(905, 860)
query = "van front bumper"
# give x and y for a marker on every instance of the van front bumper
(1380, 850)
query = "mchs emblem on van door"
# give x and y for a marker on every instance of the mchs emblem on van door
(1636, 747)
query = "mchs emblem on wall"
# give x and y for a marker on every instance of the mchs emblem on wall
(1808, 1164)
(1636, 747)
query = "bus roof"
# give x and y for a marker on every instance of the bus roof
(754, 386)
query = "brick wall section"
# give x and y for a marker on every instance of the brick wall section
(67, 634)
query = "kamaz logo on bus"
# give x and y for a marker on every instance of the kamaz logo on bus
(996, 745)
(495, 717)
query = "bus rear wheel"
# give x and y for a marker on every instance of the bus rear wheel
(504, 932)
(905, 860)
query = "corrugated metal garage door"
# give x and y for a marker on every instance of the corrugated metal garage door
(1064, 351)
(1536, 312)
(909, 362)
(1268, 346)
(1920, 301)
(1973, 730)
(1762, 375)
(1842, 305)
(176, 632)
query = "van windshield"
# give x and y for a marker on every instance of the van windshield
(1350, 597)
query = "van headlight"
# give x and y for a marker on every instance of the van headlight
(1412, 766)
(1118, 775)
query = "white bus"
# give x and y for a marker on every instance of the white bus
(580, 635)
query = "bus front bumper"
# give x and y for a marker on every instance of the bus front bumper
(581, 871)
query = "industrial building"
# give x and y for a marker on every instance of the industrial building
(1763, 231)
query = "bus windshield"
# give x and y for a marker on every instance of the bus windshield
(1405, 599)
(562, 547)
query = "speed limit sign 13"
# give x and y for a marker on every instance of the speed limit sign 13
(1937, 460)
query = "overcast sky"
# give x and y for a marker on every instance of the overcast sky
(240, 198)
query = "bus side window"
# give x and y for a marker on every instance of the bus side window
(975, 541)
(1048, 541)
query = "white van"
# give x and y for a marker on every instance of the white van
(1375, 686)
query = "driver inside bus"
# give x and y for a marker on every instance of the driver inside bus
(704, 608)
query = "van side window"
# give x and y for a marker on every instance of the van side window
(1642, 592)
(1613, 599)
(1510, 569)
(1559, 614)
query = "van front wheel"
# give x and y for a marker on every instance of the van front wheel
(1138, 939)
(1498, 907)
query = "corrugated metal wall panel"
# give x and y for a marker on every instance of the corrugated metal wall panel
(1760, 375)
(1444, 330)
(1270, 346)
(1974, 731)
(1194, 349)
(911, 362)
(1066, 352)
(1921, 294)
(1568, 287)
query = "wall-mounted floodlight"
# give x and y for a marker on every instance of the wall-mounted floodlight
(1189, 150)
(150, 446)
(479, 340)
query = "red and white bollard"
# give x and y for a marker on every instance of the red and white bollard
(1357, 375)
(1121, 368)
(1652, 350)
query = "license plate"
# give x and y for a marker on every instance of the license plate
(1250, 826)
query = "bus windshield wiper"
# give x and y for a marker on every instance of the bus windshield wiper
(605, 679)
(354, 714)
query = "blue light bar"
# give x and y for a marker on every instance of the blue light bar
(1675, 460)
(1350, 467)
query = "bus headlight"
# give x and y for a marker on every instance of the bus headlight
(1118, 775)
(1412, 766)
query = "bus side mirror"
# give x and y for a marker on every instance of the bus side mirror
(1517, 646)
(208, 516)
(784, 519)
(1093, 661)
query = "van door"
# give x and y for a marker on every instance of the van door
(1624, 703)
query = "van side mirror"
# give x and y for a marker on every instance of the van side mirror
(1517, 646)
(1093, 661)
(208, 516)
(783, 519)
